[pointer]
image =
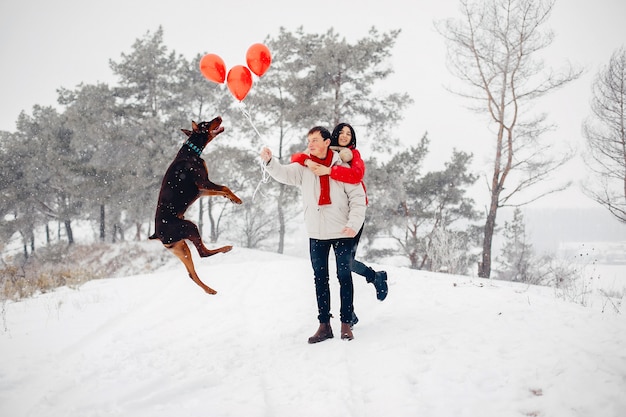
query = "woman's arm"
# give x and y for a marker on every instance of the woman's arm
(299, 158)
(351, 175)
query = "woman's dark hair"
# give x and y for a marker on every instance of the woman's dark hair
(334, 138)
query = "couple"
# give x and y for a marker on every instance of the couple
(334, 209)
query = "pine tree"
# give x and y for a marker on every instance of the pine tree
(516, 253)
(424, 212)
(321, 79)
(150, 77)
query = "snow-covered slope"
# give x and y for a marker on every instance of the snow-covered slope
(440, 346)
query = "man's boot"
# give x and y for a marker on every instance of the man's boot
(346, 332)
(323, 332)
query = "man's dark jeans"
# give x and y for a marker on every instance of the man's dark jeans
(320, 251)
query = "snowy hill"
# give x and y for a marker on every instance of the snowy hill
(440, 346)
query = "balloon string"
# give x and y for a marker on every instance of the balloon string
(242, 107)
(265, 177)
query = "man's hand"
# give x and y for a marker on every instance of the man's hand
(266, 154)
(349, 232)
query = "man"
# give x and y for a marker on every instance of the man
(333, 213)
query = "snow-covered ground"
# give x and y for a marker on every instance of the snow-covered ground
(439, 346)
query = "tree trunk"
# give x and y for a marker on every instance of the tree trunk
(499, 175)
(413, 258)
(137, 231)
(102, 223)
(213, 237)
(200, 213)
(117, 230)
(281, 220)
(68, 230)
(484, 268)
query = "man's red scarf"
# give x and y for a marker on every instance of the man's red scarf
(324, 179)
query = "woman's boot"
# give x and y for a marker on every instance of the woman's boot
(354, 320)
(380, 282)
(323, 332)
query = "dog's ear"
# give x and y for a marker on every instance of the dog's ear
(187, 132)
(194, 126)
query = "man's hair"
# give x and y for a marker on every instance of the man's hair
(323, 131)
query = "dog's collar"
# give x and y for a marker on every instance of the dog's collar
(194, 148)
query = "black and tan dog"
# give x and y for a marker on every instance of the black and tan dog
(186, 180)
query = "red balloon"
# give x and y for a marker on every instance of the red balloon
(258, 58)
(213, 68)
(239, 81)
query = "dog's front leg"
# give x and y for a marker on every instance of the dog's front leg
(210, 189)
(207, 188)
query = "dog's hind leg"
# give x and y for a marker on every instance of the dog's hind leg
(182, 252)
(192, 234)
(203, 251)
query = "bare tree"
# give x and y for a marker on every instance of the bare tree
(605, 132)
(492, 49)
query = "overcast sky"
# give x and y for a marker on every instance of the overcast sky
(46, 45)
